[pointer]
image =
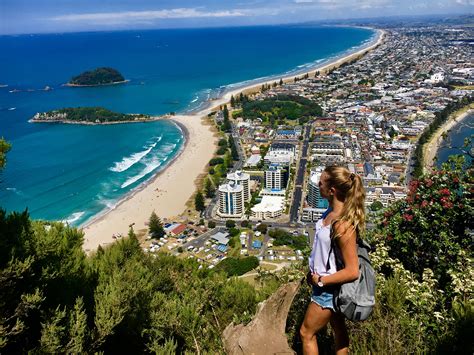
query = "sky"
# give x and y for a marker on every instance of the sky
(43, 16)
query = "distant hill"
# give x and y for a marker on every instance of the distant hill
(99, 76)
(88, 115)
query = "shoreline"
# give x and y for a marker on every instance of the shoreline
(96, 85)
(176, 183)
(87, 123)
(143, 185)
(323, 67)
(430, 151)
(166, 192)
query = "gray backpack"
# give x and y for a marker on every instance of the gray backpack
(355, 299)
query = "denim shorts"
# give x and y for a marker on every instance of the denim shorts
(323, 296)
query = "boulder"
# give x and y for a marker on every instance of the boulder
(265, 334)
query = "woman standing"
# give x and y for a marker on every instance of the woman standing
(346, 216)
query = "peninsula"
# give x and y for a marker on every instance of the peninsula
(97, 77)
(88, 115)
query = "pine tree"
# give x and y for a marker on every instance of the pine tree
(199, 201)
(232, 101)
(209, 188)
(226, 126)
(155, 226)
(281, 82)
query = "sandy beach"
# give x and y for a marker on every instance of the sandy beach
(166, 194)
(169, 191)
(431, 148)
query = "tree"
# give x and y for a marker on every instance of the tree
(376, 206)
(4, 148)
(233, 148)
(199, 201)
(262, 228)
(211, 224)
(230, 223)
(431, 226)
(232, 101)
(226, 126)
(281, 82)
(209, 188)
(155, 226)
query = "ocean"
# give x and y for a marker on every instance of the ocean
(73, 172)
(454, 144)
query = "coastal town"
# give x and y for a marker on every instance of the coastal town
(252, 177)
(259, 199)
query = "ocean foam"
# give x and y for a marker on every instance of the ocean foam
(154, 164)
(127, 162)
(74, 217)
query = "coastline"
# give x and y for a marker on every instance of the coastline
(254, 86)
(170, 189)
(431, 148)
(96, 85)
(166, 193)
(87, 123)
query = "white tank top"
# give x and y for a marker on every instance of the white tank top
(320, 251)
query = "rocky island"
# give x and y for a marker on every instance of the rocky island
(97, 77)
(89, 115)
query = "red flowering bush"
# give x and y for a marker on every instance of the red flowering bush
(430, 227)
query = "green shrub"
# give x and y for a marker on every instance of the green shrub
(431, 226)
(216, 161)
(237, 267)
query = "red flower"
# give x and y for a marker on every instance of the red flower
(428, 182)
(445, 192)
(424, 203)
(389, 237)
(448, 204)
(408, 217)
(455, 180)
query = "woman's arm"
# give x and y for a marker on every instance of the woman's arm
(348, 246)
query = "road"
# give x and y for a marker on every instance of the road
(300, 174)
(237, 166)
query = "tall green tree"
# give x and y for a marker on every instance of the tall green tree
(199, 201)
(209, 188)
(226, 126)
(155, 226)
(4, 148)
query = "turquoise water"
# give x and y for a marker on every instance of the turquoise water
(72, 172)
(454, 145)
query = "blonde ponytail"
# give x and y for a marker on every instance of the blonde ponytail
(349, 188)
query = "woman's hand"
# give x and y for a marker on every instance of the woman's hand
(312, 279)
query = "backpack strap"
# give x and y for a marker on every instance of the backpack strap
(359, 241)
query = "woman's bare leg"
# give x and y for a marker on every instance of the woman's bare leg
(341, 336)
(314, 320)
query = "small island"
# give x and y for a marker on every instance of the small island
(89, 115)
(98, 77)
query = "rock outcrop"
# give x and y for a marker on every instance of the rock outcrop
(265, 334)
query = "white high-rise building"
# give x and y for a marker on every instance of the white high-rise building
(314, 197)
(276, 177)
(231, 200)
(241, 178)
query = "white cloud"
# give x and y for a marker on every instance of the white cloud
(465, 2)
(145, 16)
(348, 4)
